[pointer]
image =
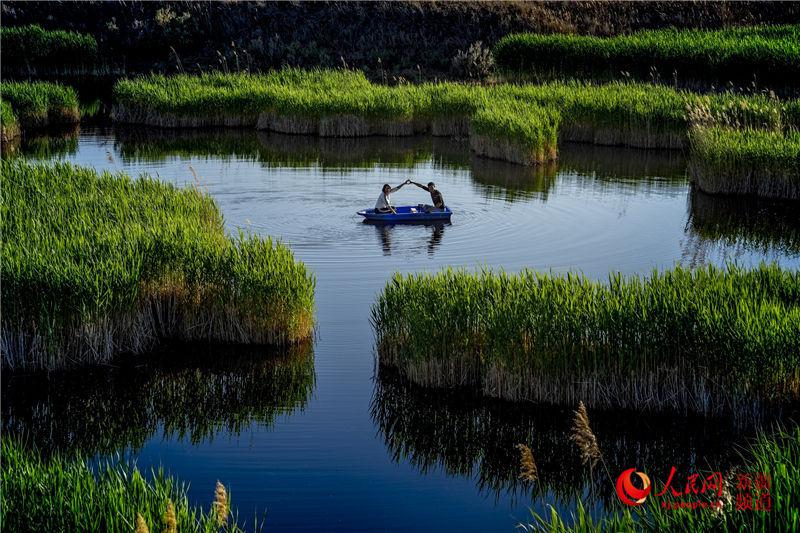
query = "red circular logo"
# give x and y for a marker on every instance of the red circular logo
(627, 492)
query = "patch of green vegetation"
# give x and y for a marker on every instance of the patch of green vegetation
(746, 161)
(41, 103)
(702, 340)
(98, 264)
(64, 493)
(31, 48)
(519, 123)
(8, 122)
(771, 52)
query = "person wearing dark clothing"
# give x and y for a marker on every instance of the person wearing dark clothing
(436, 197)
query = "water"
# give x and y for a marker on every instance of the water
(314, 438)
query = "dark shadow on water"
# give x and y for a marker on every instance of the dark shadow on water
(191, 393)
(50, 143)
(466, 435)
(385, 232)
(741, 224)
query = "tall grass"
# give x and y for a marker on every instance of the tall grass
(513, 131)
(770, 53)
(41, 103)
(707, 341)
(775, 453)
(32, 49)
(520, 123)
(9, 125)
(95, 265)
(746, 161)
(63, 493)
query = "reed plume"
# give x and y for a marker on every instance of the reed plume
(170, 521)
(583, 436)
(141, 525)
(220, 506)
(528, 469)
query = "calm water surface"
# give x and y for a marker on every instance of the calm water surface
(315, 438)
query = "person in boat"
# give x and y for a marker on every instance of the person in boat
(383, 205)
(436, 197)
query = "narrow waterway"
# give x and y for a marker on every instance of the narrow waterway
(314, 438)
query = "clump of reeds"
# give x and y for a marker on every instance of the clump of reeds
(711, 340)
(512, 131)
(65, 493)
(519, 123)
(31, 48)
(729, 54)
(161, 268)
(747, 161)
(37, 104)
(9, 125)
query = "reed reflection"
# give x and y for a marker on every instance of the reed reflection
(741, 224)
(464, 435)
(192, 393)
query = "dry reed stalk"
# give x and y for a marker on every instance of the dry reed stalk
(220, 506)
(170, 520)
(584, 438)
(528, 469)
(141, 525)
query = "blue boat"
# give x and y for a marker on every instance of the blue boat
(407, 214)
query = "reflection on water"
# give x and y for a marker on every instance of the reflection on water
(474, 437)
(41, 144)
(385, 231)
(511, 182)
(278, 150)
(190, 394)
(741, 224)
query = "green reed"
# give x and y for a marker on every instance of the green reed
(65, 493)
(746, 161)
(771, 52)
(100, 264)
(776, 453)
(8, 122)
(32, 47)
(41, 103)
(706, 340)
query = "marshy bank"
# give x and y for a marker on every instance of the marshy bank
(162, 268)
(519, 123)
(710, 341)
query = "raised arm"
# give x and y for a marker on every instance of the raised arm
(395, 189)
(421, 186)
